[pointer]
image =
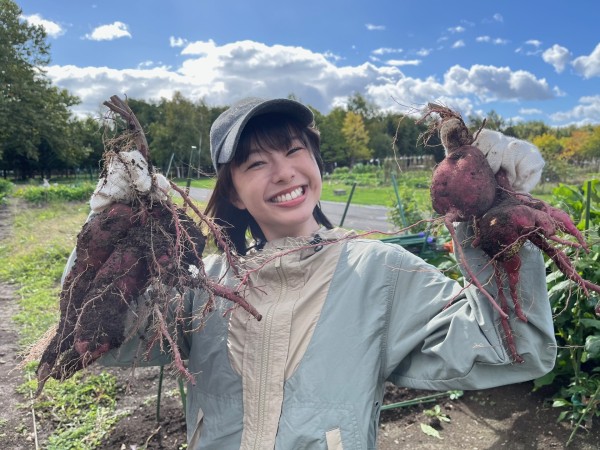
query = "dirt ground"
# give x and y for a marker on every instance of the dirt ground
(510, 417)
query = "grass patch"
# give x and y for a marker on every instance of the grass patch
(34, 257)
(82, 409)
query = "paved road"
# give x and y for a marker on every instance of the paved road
(358, 217)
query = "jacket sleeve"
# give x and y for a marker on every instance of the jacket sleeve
(143, 346)
(443, 336)
(180, 317)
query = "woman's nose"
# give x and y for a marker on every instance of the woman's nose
(283, 171)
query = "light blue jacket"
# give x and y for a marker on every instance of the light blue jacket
(385, 316)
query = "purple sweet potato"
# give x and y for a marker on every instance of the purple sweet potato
(464, 188)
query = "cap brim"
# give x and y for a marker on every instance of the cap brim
(280, 105)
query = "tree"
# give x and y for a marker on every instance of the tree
(493, 121)
(361, 106)
(333, 143)
(182, 125)
(551, 148)
(357, 138)
(34, 114)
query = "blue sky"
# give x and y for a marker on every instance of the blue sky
(526, 60)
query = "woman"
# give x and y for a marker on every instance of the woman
(341, 315)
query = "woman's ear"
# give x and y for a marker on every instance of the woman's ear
(235, 200)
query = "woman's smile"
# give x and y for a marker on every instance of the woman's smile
(288, 197)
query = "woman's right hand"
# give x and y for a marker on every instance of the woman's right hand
(126, 177)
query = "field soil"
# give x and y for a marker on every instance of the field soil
(510, 417)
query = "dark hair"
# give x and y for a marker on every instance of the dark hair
(266, 131)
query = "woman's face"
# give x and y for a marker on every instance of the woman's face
(280, 188)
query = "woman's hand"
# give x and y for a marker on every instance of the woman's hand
(520, 159)
(127, 177)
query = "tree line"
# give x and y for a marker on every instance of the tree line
(40, 137)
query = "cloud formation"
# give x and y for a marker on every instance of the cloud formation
(557, 56)
(588, 66)
(52, 29)
(221, 74)
(115, 30)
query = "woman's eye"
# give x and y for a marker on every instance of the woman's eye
(293, 150)
(253, 164)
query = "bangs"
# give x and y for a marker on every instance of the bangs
(268, 131)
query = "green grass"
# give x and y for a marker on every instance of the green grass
(370, 195)
(81, 409)
(363, 195)
(34, 257)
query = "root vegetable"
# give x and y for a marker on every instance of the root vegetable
(464, 188)
(119, 253)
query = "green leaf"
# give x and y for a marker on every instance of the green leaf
(592, 346)
(590, 323)
(560, 403)
(430, 431)
(544, 380)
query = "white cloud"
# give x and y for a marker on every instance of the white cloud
(498, 17)
(586, 112)
(423, 52)
(457, 29)
(115, 30)
(588, 66)
(52, 29)
(386, 50)
(221, 74)
(372, 27)
(403, 62)
(527, 49)
(458, 44)
(177, 42)
(530, 111)
(557, 56)
(496, 41)
(496, 83)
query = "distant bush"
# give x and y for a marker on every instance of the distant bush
(55, 193)
(6, 188)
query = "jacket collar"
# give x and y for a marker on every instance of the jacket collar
(305, 246)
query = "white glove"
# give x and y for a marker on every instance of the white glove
(520, 159)
(127, 177)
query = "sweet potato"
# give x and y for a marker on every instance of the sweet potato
(119, 253)
(463, 185)
(463, 190)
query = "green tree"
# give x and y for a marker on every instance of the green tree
(357, 138)
(550, 147)
(493, 121)
(182, 126)
(361, 106)
(33, 113)
(333, 143)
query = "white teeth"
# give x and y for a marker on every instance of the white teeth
(289, 196)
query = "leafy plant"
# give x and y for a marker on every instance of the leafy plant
(55, 193)
(576, 375)
(5, 189)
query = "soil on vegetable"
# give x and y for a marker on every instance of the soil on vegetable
(510, 417)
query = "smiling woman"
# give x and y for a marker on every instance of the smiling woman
(340, 315)
(273, 185)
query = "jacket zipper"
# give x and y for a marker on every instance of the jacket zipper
(266, 351)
